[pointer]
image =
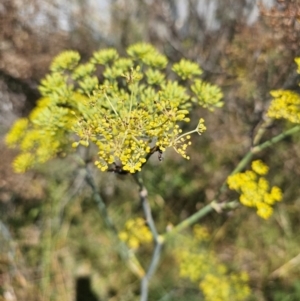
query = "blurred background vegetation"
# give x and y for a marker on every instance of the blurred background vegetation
(52, 239)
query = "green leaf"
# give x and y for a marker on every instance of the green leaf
(186, 69)
(208, 96)
(67, 60)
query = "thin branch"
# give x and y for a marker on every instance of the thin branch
(157, 238)
(151, 270)
(127, 255)
(145, 205)
(262, 129)
(200, 214)
(101, 205)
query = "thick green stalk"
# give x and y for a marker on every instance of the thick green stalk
(200, 214)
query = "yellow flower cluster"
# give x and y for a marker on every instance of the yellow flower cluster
(226, 284)
(286, 103)
(255, 190)
(17, 131)
(135, 233)
(130, 112)
(201, 233)
(203, 267)
(41, 136)
(186, 69)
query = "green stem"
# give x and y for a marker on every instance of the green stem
(262, 129)
(213, 205)
(113, 108)
(146, 207)
(241, 165)
(158, 241)
(256, 149)
(122, 248)
(268, 143)
(101, 205)
(190, 220)
(188, 133)
(132, 95)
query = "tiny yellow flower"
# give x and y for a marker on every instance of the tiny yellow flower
(135, 233)
(200, 233)
(264, 210)
(276, 193)
(259, 167)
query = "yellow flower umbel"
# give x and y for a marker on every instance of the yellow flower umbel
(286, 103)
(201, 265)
(135, 233)
(132, 110)
(255, 190)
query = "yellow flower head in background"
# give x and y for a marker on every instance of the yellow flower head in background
(135, 233)
(201, 265)
(286, 103)
(255, 190)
